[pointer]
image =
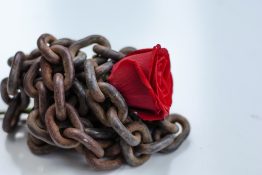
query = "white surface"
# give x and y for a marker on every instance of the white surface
(215, 47)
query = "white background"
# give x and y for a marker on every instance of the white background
(216, 54)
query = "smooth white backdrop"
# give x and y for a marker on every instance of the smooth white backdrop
(216, 54)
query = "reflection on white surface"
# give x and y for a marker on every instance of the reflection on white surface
(215, 47)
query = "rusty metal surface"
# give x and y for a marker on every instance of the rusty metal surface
(76, 108)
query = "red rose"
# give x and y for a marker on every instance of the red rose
(145, 81)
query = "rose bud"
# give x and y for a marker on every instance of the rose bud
(144, 79)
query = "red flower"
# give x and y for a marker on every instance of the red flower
(145, 81)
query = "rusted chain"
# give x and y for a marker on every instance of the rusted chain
(53, 128)
(108, 163)
(59, 96)
(29, 80)
(108, 53)
(91, 81)
(179, 139)
(100, 133)
(85, 139)
(79, 91)
(12, 114)
(43, 43)
(17, 105)
(151, 148)
(33, 124)
(75, 108)
(92, 39)
(127, 149)
(127, 50)
(42, 98)
(118, 126)
(4, 94)
(47, 71)
(115, 98)
(38, 147)
(15, 73)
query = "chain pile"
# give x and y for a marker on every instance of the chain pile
(74, 107)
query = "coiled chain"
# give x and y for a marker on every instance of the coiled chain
(76, 108)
